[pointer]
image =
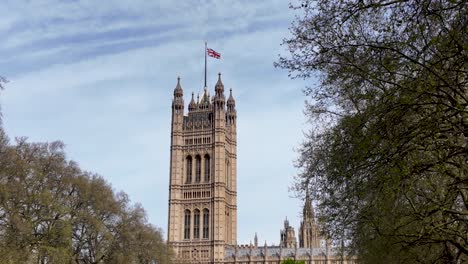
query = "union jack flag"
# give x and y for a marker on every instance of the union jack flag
(213, 53)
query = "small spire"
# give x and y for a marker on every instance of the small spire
(231, 101)
(308, 211)
(192, 104)
(178, 92)
(219, 88)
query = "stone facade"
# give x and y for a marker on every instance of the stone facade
(288, 236)
(203, 170)
(202, 219)
(309, 231)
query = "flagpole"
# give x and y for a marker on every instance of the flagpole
(205, 63)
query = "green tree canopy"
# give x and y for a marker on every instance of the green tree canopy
(51, 211)
(387, 157)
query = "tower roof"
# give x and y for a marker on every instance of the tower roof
(192, 104)
(178, 92)
(231, 101)
(204, 103)
(219, 87)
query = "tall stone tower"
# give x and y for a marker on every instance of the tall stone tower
(309, 232)
(288, 236)
(203, 177)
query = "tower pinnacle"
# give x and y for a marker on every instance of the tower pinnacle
(178, 101)
(219, 88)
(192, 105)
(178, 92)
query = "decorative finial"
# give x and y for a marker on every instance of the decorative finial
(219, 87)
(178, 89)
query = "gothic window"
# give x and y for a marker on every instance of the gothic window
(206, 223)
(187, 225)
(197, 168)
(189, 169)
(207, 168)
(196, 224)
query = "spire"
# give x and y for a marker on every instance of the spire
(231, 109)
(219, 88)
(192, 105)
(308, 211)
(256, 240)
(178, 102)
(231, 101)
(178, 92)
(219, 99)
(204, 102)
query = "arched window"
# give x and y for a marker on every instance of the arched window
(206, 223)
(187, 225)
(196, 224)
(207, 168)
(197, 168)
(189, 169)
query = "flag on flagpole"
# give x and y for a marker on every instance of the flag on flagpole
(213, 53)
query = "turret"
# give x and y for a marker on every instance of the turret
(192, 105)
(231, 113)
(205, 101)
(178, 101)
(177, 107)
(219, 98)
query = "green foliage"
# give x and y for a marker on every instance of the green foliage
(53, 212)
(292, 261)
(386, 159)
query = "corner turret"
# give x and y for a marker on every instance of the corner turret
(219, 98)
(231, 113)
(178, 101)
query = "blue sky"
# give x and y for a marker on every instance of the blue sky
(99, 76)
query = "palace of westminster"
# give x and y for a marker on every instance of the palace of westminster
(202, 219)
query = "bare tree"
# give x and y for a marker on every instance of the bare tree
(387, 156)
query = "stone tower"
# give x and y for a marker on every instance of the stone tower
(202, 217)
(309, 233)
(288, 236)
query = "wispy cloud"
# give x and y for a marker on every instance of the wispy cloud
(100, 77)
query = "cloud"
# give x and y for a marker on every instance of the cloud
(100, 77)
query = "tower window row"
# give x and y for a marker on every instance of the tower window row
(197, 169)
(197, 225)
(197, 194)
(201, 140)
